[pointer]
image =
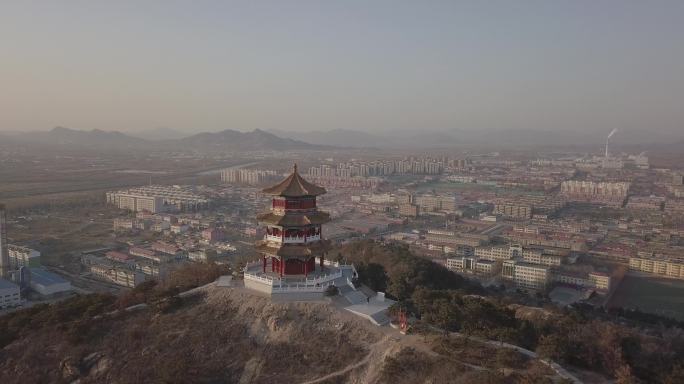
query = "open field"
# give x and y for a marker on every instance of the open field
(651, 294)
(40, 180)
(62, 233)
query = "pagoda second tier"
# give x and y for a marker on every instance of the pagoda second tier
(303, 251)
(293, 219)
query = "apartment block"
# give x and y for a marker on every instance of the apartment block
(22, 256)
(673, 268)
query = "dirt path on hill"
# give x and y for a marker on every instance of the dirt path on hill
(381, 347)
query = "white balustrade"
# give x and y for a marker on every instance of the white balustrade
(317, 284)
(260, 278)
(320, 280)
(300, 288)
(293, 239)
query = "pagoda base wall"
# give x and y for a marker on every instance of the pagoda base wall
(293, 266)
(259, 286)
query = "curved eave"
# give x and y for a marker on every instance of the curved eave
(294, 186)
(294, 220)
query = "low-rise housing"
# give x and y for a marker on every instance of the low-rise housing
(673, 268)
(531, 276)
(158, 198)
(471, 264)
(203, 255)
(117, 274)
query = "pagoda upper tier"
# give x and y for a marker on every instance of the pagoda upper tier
(295, 186)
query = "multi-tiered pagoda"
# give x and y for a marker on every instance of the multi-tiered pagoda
(293, 238)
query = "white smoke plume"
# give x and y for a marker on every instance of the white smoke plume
(614, 131)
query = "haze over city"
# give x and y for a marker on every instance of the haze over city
(379, 66)
(350, 192)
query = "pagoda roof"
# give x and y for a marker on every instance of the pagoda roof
(294, 250)
(294, 186)
(294, 219)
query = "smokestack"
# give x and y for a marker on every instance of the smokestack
(4, 254)
(614, 131)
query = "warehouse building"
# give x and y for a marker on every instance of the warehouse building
(47, 283)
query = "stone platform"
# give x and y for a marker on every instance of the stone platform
(315, 283)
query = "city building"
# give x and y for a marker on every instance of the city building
(673, 268)
(158, 198)
(650, 203)
(213, 234)
(120, 257)
(9, 294)
(610, 193)
(4, 253)
(456, 238)
(119, 274)
(354, 182)
(528, 206)
(47, 283)
(167, 249)
(535, 255)
(472, 265)
(409, 210)
(22, 256)
(434, 203)
(526, 276)
(138, 203)
(674, 206)
(202, 255)
(247, 176)
(117, 267)
(152, 269)
(512, 210)
(151, 255)
(598, 281)
(123, 223)
(417, 166)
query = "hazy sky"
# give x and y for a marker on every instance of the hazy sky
(320, 65)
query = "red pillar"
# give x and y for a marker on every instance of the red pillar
(264, 261)
(306, 268)
(282, 267)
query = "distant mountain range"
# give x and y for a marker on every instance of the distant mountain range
(256, 140)
(336, 137)
(227, 140)
(521, 138)
(161, 133)
(276, 140)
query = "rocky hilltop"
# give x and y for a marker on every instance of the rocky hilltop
(224, 335)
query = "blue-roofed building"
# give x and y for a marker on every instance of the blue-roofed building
(9, 294)
(47, 283)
